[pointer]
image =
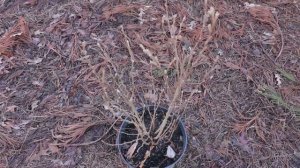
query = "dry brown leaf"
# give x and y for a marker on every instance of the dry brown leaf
(31, 2)
(53, 149)
(11, 108)
(131, 150)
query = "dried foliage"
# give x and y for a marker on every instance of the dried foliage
(122, 94)
(15, 36)
(67, 134)
(264, 15)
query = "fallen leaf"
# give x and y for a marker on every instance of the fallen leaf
(38, 32)
(9, 126)
(38, 83)
(58, 15)
(34, 61)
(34, 104)
(192, 25)
(31, 2)
(170, 152)
(11, 108)
(278, 79)
(53, 149)
(131, 150)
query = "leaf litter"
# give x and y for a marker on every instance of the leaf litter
(58, 122)
(16, 35)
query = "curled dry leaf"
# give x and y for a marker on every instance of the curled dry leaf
(131, 150)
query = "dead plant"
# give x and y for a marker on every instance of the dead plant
(120, 93)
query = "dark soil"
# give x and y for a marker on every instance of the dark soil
(158, 154)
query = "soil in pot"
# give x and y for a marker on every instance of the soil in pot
(158, 156)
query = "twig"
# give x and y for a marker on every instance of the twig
(282, 40)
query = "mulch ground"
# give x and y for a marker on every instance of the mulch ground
(245, 113)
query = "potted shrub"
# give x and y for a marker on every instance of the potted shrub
(153, 136)
(153, 153)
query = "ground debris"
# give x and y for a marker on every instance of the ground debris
(15, 36)
(244, 103)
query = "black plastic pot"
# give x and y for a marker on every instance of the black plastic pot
(159, 109)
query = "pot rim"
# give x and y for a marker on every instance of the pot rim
(181, 127)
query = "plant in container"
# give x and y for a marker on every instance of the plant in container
(153, 136)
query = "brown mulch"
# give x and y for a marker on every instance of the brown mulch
(51, 101)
